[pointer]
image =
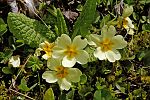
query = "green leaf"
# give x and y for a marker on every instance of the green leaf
(3, 27)
(105, 20)
(29, 30)
(8, 70)
(127, 11)
(70, 95)
(144, 1)
(83, 90)
(90, 51)
(61, 24)
(146, 58)
(85, 19)
(34, 63)
(23, 86)
(4, 56)
(146, 27)
(102, 94)
(83, 79)
(49, 95)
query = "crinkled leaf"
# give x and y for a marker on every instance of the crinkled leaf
(4, 56)
(29, 30)
(49, 95)
(85, 19)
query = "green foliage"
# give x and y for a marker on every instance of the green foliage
(8, 70)
(85, 19)
(102, 94)
(83, 79)
(126, 79)
(3, 27)
(23, 86)
(34, 63)
(127, 11)
(61, 24)
(146, 27)
(105, 20)
(3, 91)
(90, 51)
(146, 58)
(49, 95)
(29, 30)
(4, 56)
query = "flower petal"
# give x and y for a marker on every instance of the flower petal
(130, 31)
(49, 76)
(82, 57)
(119, 42)
(45, 56)
(64, 84)
(129, 22)
(63, 41)
(42, 45)
(14, 61)
(73, 75)
(53, 63)
(79, 43)
(37, 52)
(58, 52)
(112, 56)
(66, 62)
(108, 32)
(111, 31)
(94, 39)
(99, 54)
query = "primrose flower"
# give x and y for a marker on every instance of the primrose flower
(107, 43)
(61, 74)
(125, 21)
(47, 48)
(127, 24)
(14, 61)
(71, 51)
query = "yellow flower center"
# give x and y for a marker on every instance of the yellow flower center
(106, 45)
(125, 23)
(61, 71)
(71, 51)
(48, 48)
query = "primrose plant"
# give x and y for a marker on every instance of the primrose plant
(61, 74)
(107, 44)
(71, 51)
(61, 56)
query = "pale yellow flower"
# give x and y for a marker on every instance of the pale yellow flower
(61, 74)
(47, 48)
(14, 61)
(107, 44)
(127, 24)
(71, 51)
